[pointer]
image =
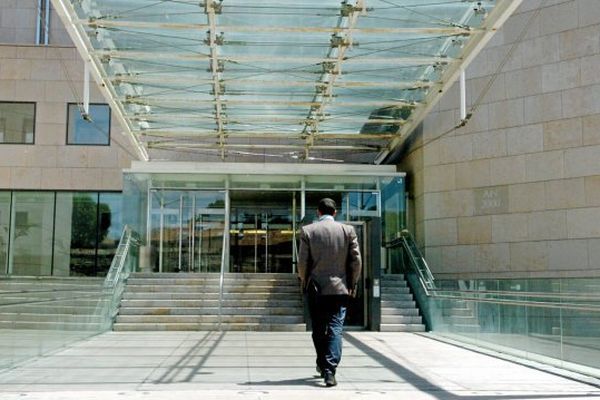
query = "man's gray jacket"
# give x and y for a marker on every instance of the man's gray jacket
(329, 254)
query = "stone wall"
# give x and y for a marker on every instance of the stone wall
(516, 192)
(51, 77)
(18, 22)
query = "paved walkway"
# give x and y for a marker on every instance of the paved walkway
(255, 365)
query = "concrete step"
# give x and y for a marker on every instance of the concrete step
(398, 304)
(401, 319)
(52, 279)
(211, 282)
(392, 277)
(216, 275)
(283, 311)
(128, 303)
(212, 289)
(58, 318)
(399, 311)
(393, 285)
(49, 309)
(198, 319)
(57, 326)
(396, 296)
(395, 290)
(48, 289)
(211, 326)
(191, 302)
(48, 302)
(209, 296)
(402, 328)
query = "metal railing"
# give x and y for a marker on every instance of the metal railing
(123, 264)
(418, 262)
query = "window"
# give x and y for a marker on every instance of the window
(17, 123)
(42, 33)
(31, 234)
(93, 130)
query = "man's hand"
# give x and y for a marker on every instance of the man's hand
(352, 293)
(302, 285)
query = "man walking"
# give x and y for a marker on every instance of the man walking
(329, 266)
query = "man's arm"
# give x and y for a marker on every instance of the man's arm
(303, 257)
(354, 262)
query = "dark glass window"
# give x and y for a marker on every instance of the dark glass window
(76, 237)
(93, 129)
(110, 227)
(32, 233)
(17, 123)
(4, 229)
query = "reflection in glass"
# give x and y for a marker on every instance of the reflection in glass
(394, 209)
(31, 234)
(76, 234)
(4, 229)
(312, 201)
(187, 230)
(93, 130)
(262, 232)
(17, 122)
(110, 227)
(548, 325)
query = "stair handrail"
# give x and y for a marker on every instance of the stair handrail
(418, 262)
(121, 267)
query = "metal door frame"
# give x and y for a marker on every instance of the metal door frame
(366, 264)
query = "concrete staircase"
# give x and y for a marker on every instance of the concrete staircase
(190, 302)
(399, 312)
(50, 303)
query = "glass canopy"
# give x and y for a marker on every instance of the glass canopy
(298, 80)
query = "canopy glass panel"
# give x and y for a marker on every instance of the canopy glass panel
(299, 80)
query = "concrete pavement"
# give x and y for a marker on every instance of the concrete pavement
(275, 365)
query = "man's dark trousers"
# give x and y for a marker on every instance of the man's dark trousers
(327, 314)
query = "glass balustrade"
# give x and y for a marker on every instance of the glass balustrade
(42, 314)
(555, 321)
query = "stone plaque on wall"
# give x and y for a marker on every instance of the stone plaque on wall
(491, 200)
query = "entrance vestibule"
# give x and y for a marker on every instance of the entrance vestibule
(231, 219)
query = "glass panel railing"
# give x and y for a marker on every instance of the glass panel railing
(539, 319)
(554, 320)
(42, 314)
(125, 262)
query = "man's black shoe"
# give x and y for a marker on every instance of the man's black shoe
(320, 372)
(330, 379)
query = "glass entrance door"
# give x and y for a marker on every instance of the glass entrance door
(262, 232)
(186, 230)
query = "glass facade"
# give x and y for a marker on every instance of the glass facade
(17, 123)
(394, 204)
(186, 230)
(4, 228)
(93, 129)
(58, 233)
(32, 231)
(245, 218)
